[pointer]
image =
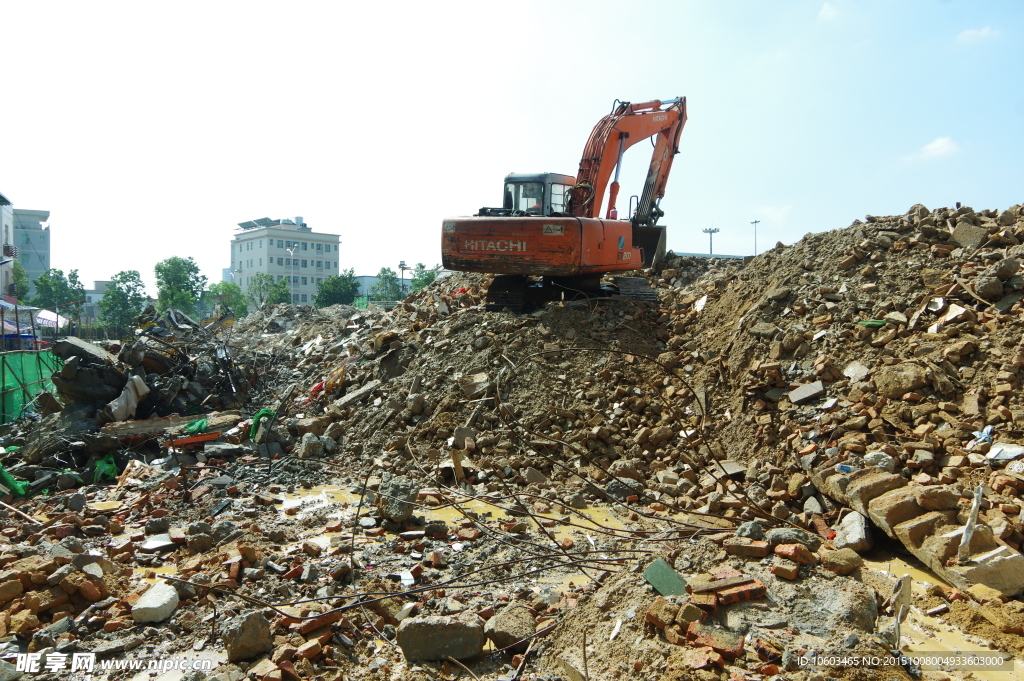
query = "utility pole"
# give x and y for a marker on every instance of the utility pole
(755, 235)
(711, 236)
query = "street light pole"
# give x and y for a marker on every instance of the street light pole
(402, 266)
(711, 235)
(755, 235)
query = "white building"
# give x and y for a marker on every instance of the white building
(284, 249)
(32, 240)
(93, 296)
(7, 231)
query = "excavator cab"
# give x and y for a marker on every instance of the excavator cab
(532, 194)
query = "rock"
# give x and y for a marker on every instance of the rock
(534, 476)
(310, 447)
(8, 672)
(438, 637)
(246, 636)
(200, 543)
(511, 625)
(936, 498)
(895, 381)
(856, 372)
(157, 604)
(76, 502)
(751, 529)
(158, 525)
(791, 535)
(988, 288)
(968, 235)
(841, 561)
(625, 468)
(620, 488)
(853, 533)
(395, 497)
(763, 330)
(880, 459)
(1004, 269)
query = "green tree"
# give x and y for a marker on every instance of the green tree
(421, 276)
(229, 295)
(179, 284)
(387, 286)
(122, 301)
(54, 290)
(339, 290)
(21, 280)
(263, 290)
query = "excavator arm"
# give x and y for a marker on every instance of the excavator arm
(627, 125)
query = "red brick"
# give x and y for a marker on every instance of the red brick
(740, 546)
(745, 592)
(468, 534)
(676, 635)
(786, 569)
(795, 552)
(728, 644)
(321, 621)
(309, 649)
(661, 613)
(705, 601)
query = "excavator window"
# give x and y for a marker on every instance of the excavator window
(527, 197)
(559, 197)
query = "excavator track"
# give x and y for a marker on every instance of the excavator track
(507, 291)
(636, 288)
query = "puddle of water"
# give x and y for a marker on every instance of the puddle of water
(922, 633)
(140, 573)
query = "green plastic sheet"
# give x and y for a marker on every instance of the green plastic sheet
(259, 417)
(17, 488)
(197, 427)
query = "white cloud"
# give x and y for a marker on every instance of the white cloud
(937, 148)
(827, 12)
(976, 35)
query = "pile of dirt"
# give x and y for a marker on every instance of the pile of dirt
(857, 384)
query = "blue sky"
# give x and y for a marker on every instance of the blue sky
(151, 130)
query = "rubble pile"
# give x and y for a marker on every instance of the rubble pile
(598, 489)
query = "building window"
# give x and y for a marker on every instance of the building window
(303, 245)
(304, 281)
(261, 262)
(280, 243)
(295, 280)
(303, 263)
(303, 297)
(335, 248)
(320, 264)
(295, 297)
(319, 247)
(280, 261)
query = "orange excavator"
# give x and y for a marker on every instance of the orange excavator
(549, 225)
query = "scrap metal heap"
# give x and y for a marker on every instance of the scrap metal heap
(709, 486)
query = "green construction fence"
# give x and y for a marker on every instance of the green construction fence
(23, 375)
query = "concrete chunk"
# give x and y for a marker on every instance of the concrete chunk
(807, 392)
(438, 637)
(157, 604)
